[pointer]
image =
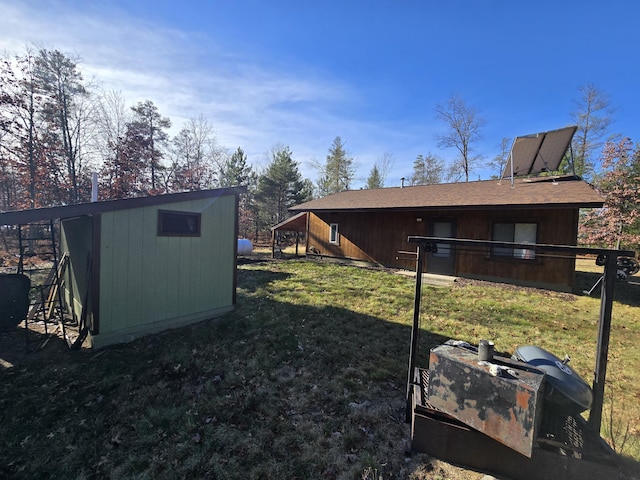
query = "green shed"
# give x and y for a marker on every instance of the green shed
(142, 265)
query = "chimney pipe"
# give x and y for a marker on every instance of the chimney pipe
(94, 187)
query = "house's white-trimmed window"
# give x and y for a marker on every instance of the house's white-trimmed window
(517, 233)
(334, 236)
(173, 223)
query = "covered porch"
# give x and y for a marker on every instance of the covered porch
(296, 225)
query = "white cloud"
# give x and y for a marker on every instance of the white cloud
(249, 102)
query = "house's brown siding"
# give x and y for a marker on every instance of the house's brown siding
(556, 227)
(381, 237)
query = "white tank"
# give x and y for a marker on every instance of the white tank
(244, 246)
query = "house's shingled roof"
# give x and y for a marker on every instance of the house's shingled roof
(539, 192)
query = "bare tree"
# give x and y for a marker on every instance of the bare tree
(109, 142)
(385, 164)
(464, 124)
(113, 117)
(195, 157)
(500, 160)
(593, 116)
(619, 221)
(19, 120)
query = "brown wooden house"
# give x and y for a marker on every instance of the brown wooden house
(373, 226)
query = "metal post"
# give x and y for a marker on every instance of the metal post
(511, 158)
(21, 248)
(273, 244)
(415, 330)
(604, 330)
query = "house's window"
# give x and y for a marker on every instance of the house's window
(516, 233)
(334, 236)
(178, 224)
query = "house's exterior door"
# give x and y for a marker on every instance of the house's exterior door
(442, 262)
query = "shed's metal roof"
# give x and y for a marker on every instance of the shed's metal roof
(547, 192)
(67, 211)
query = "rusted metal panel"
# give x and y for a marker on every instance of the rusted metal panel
(501, 399)
(440, 435)
(458, 444)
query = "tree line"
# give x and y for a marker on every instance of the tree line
(56, 129)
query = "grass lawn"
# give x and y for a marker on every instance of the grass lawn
(305, 379)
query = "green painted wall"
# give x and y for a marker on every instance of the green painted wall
(148, 283)
(76, 241)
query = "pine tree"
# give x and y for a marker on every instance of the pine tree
(148, 126)
(235, 170)
(338, 172)
(280, 187)
(427, 170)
(62, 84)
(375, 179)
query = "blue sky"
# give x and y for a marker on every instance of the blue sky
(300, 73)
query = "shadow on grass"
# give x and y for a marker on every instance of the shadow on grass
(271, 390)
(18, 345)
(626, 291)
(254, 280)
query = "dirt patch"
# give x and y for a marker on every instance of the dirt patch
(39, 342)
(466, 282)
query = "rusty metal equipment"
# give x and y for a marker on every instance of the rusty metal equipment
(517, 416)
(501, 398)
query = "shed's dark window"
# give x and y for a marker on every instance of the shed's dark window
(178, 224)
(517, 233)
